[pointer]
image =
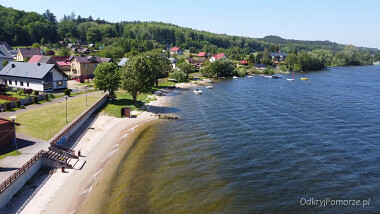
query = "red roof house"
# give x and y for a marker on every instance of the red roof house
(202, 54)
(243, 62)
(176, 50)
(218, 56)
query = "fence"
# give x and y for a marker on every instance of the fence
(53, 143)
(20, 171)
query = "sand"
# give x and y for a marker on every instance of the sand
(63, 192)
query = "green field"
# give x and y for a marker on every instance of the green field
(45, 122)
(123, 99)
(12, 153)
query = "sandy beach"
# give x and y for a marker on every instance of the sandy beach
(62, 192)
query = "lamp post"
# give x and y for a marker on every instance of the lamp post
(13, 118)
(66, 107)
(86, 94)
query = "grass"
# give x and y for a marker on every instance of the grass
(124, 99)
(45, 122)
(14, 94)
(12, 153)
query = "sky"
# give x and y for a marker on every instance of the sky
(343, 21)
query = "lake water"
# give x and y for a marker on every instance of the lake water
(259, 145)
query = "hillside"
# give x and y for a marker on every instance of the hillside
(25, 28)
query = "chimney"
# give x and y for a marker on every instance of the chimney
(38, 64)
(13, 65)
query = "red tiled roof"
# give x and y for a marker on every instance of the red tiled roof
(4, 121)
(59, 58)
(63, 63)
(35, 59)
(175, 49)
(202, 54)
(243, 62)
(218, 56)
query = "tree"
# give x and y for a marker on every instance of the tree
(5, 63)
(251, 58)
(219, 68)
(50, 17)
(107, 78)
(137, 76)
(64, 52)
(290, 61)
(160, 65)
(186, 67)
(180, 76)
(192, 49)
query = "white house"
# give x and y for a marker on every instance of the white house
(217, 56)
(4, 55)
(176, 50)
(37, 76)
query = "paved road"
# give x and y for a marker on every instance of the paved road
(28, 146)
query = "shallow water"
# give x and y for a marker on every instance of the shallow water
(259, 145)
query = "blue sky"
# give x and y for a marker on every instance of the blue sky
(342, 21)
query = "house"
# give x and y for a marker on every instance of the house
(24, 54)
(8, 133)
(277, 56)
(200, 59)
(243, 63)
(84, 65)
(190, 60)
(42, 59)
(7, 46)
(202, 54)
(4, 55)
(37, 76)
(260, 65)
(218, 56)
(176, 50)
(63, 63)
(84, 51)
(106, 60)
(173, 62)
(122, 62)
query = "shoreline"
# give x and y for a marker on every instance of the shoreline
(63, 192)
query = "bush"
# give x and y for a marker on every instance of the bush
(46, 97)
(7, 106)
(51, 96)
(180, 76)
(241, 72)
(22, 107)
(35, 100)
(15, 89)
(20, 92)
(28, 91)
(67, 92)
(36, 93)
(18, 103)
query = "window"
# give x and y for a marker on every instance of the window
(88, 65)
(21, 83)
(27, 84)
(60, 83)
(10, 82)
(15, 82)
(95, 65)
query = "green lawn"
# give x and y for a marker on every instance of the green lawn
(13, 153)
(14, 94)
(47, 121)
(123, 99)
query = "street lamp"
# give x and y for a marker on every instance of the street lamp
(86, 94)
(66, 107)
(13, 118)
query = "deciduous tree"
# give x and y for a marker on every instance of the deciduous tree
(107, 78)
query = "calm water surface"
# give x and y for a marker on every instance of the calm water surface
(258, 145)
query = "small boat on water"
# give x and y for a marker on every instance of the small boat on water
(292, 79)
(235, 77)
(250, 76)
(275, 77)
(209, 86)
(304, 78)
(261, 75)
(196, 91)
(210, 81)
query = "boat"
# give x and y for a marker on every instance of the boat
(210, 81)
(209, 86)
(196, 91)
(267, 76)
(250, 76)
(261, 75)
(304, 78)
(235, 77)
(275, 77)
(292, 79)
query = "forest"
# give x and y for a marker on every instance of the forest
(20, 28)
